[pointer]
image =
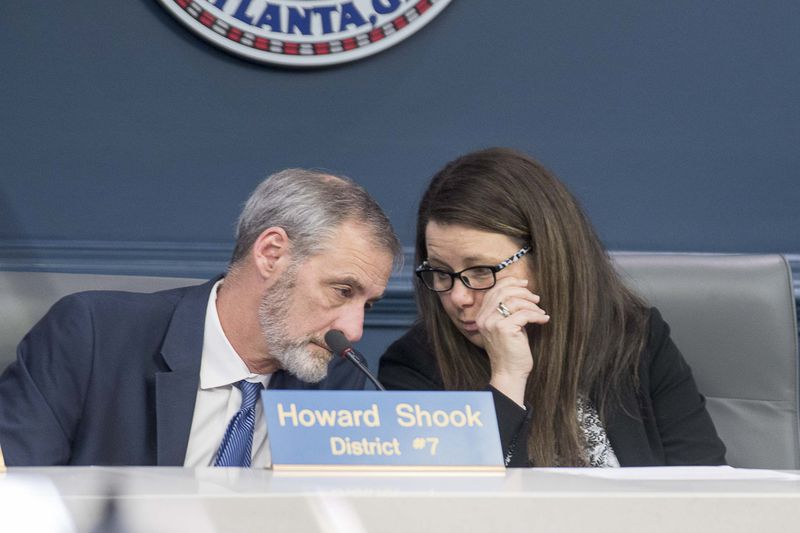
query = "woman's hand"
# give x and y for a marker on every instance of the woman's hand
(504, 337)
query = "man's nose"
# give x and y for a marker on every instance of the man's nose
(351, 323)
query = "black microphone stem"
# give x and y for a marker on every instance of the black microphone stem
(355, 358)
(338, 344)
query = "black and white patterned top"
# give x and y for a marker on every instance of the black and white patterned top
(598, 448)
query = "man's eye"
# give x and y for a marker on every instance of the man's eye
(344, 292)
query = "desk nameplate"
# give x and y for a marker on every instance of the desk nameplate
(363, 430)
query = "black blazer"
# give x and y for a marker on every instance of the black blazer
(110, 378)
(664, 422)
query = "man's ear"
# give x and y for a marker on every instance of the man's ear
(271, 251)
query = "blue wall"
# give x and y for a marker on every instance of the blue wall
(129, 142)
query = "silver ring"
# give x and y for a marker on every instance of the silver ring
(503, 310)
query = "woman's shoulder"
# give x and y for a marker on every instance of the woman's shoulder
(660, 357)
(413, 344)
(656, 328)
(409, 362)
(658, 332)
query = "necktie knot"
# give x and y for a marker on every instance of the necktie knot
(249, 393)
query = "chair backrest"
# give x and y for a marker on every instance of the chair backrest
(26, 296)
(733, 318)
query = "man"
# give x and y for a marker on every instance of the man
(172, 378)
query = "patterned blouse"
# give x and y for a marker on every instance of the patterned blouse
(598, 448)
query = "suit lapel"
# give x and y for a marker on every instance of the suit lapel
(176, 389)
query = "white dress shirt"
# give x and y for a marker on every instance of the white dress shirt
(218, 400)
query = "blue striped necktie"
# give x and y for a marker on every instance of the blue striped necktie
(237, 444)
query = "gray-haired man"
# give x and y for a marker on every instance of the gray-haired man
(171, 378)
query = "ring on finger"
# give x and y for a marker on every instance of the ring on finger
(503, 310)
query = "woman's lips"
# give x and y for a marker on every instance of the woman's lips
(470, 327)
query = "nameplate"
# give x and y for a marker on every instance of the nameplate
(377, 430)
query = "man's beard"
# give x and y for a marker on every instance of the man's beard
(294, 355)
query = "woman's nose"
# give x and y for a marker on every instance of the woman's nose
(460, 295)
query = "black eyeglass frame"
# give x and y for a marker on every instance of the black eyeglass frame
(426, 267)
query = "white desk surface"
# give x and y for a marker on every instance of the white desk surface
(532, 500)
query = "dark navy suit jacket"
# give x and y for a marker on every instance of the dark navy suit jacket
(110, 378)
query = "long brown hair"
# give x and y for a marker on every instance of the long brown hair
(592, 343)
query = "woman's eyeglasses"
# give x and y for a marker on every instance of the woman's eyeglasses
(479, 278)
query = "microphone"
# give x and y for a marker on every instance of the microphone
(339, 345)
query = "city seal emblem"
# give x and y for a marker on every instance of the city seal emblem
(305, 33)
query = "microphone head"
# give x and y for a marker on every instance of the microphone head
(336, 341)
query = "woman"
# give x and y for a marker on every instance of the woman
(516, 294)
